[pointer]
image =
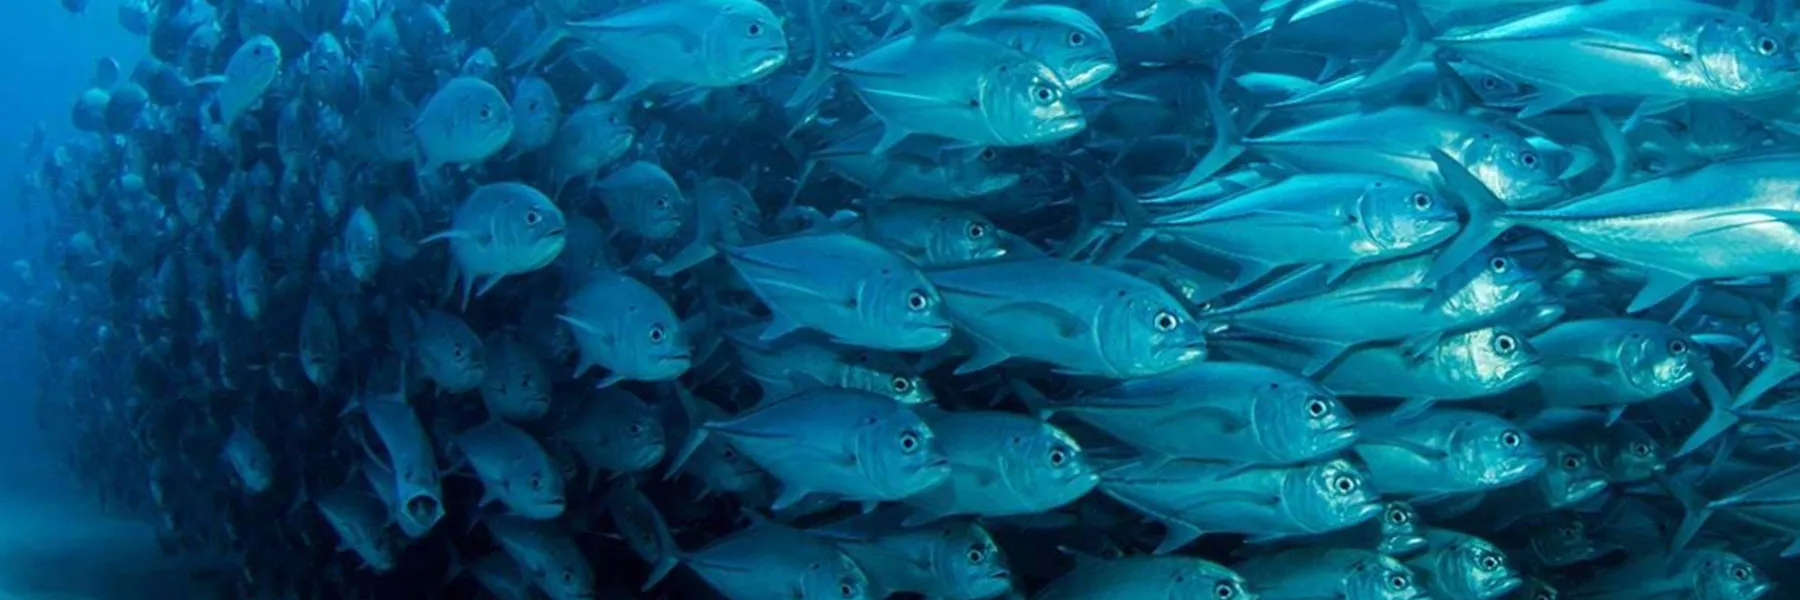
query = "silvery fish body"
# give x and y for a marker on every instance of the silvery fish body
(514, 469)
(952, 559)
(1227, 411)
(1193, 498)
(1446, 451)
(1002, 464)
(1079, 318)
(783, 367)
(1316, 572)
(1147, 578)
(417, 491)
(846, 287)
(361, 525)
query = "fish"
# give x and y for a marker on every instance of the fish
(249, 73)
(451, 354)
(547, 555)
(1149, 576)
(1459, 565)
(588, 140)
(501, 230)
(1002, 464)
(613, 430)
(950, 558)
(411, 456)
(1317, 571)
(857, 445)
(537, 115)
(250, 459)
(1471, 365)
(514, 469)
(466, 122)
(770, 559)
(627, 328)
(1193, 498)
(697, 43)
(516, 386)
(963, 87)
(1447, 451)
(1250, 414)
(360, 523)
(1080, 318)
(785, 366)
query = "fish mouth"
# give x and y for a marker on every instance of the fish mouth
(555, 232)
(1503, 586)
(1341, 436)
(1000, 574)
(1094, 74)
(1365, 511)
(1065, 125)
(1404, 544)
(1581, 491)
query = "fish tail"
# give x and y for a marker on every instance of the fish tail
(1228, 138)
(697, 432)
(1782, 365)
(810, 89)
(545, 42)
(1694, 512)
(1722, 416)
(1415, 47)
(1487, 216)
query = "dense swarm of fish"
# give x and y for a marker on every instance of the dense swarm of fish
(1050, 299)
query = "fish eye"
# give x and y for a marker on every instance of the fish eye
(535, 482)
(532, 217)
(976, 555)
(1398, 582)
(1043, 93)
(1167, 321)
(909, 441)
(1488, 83)
(917, 300)
(662, 201)
(657, 334)
(456, 351)
(1224, 591)
(1677, 347)
(487, 111)
(636, 429)
(989, 154)
(1740, 573)
(1398, 517)
(568, 576)
(1489, 563)
(531, 105)
(1058, 457)
(1767, 46)
(846, 590)
(1317, 407)
(1640, 449)
(1571, 462)
(1505, 344)
(1499, 265)
(1528, 159)
(977, 231)
(755, 29)
(1570, 533)
(901, 385)
(1344, 484)
(1077, 38)
(1511, 439)
(1421, 201)
(612, 119)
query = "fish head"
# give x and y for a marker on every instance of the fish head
(534, 104)
(903, 303)
(419, 512)
(1149, 331)
(1631, 454)
(1051, 464)
(567, 578)
(1725, 576)
(1491, 284)
(1397, 216)
(1493, 87)
(1537, 589)
(986, 174)
(1198, 579)
(967, 557)
(1025, 103)
(1563, 540)
(887, 374)
(1070, 42)
(1493, 452)
(660, 349)
(904, 456)
(1495, 358)
(1302, 420)
(1380, 577)
(1330, 495)
(1400, 530)
(661, 207)
(538, 493)
(1571, 477)
(1658, 359)
(1742, 57)
(530, 228)
(637, 441)
(254, 64)
(1477, 569)
(964, 236)
(835, 577)
(745, 42)
(1511, 167)
(476, 114)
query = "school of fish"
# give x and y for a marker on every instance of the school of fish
(944, 299)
